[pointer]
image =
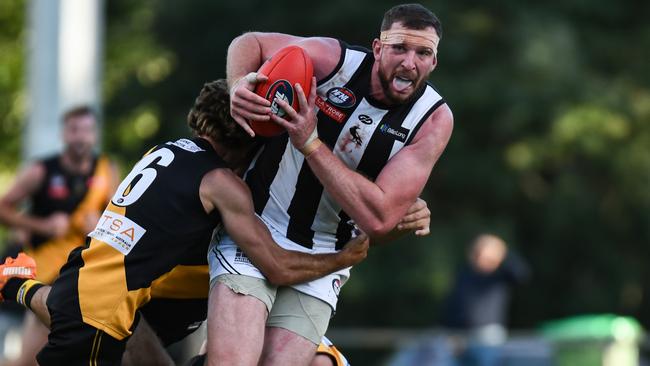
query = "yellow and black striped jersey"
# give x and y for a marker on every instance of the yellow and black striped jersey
(154, 226)
(79, 195)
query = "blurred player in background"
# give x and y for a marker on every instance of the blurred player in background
(65, 194)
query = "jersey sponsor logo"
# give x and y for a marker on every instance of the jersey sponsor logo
(341, 97)
(118, 231)
(399, 133)
(281, 90)
(356, 138)
(365, 119)
(57, 188)
(336, 286)
(240, 257)
(187, 145)
(330, 111)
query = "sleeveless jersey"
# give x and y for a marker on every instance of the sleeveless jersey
(81, 196)
(154, 227)
(359, 130)
(61, 191)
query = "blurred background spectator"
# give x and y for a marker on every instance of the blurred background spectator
(479, 298)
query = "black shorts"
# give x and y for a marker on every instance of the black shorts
(174, 319)
(73, 343)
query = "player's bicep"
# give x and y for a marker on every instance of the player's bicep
(253, 237)
(25, 184)
(324, 52)
(407, 166)
(235, 205)
(414, 162)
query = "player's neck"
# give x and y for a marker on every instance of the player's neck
(76, 164)
(376, 90)
(234, 157)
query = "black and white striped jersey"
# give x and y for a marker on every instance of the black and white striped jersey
(361, 131)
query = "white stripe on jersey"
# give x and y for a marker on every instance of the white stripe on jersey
(283, 188)
(327, 216)
(420, 108)
(353, 60)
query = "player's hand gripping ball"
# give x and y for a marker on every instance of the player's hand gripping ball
(284, 69)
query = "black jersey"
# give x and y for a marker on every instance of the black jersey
(60, 191)
(154, 225)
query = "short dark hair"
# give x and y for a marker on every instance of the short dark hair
(413, 16)
(78, 111)
(210, 116)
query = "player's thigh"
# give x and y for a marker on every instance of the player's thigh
(238, 303)
(72, 342)
(302, 314)
(144, 348)
(174, 319)
(284, 347)
(233, 289)
(237, 313)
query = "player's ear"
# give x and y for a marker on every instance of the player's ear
(376, 49)
(434, 64)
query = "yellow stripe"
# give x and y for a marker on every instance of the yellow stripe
(104, 299)
(182, 282)
(101, 335)
(91, 362)
(331, 351)
(24, 289)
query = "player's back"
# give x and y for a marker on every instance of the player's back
(155, 222)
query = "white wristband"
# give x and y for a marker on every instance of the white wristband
(250, 78)
(312, 137)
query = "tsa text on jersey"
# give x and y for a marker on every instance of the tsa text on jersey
(117, 231)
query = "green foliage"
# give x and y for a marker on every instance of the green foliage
(12, 94)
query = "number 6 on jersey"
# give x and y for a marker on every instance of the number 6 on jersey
(141, 177)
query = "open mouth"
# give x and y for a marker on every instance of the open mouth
(401, 83)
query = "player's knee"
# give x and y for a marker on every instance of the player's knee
(322, 360)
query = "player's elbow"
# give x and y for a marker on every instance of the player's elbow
(245, 38)
(377, 228)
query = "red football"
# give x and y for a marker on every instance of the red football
(287, 67)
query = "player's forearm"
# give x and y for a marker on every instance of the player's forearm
(394, 234)
(39, 307)
(244, 56)
(297, 267)
(14, 219)
(363, 200)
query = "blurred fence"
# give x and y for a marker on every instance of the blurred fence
(438, 347)
(433, 347)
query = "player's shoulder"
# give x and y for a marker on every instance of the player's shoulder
(443, 114)
(35, 171)
(222, 181)
(325, 53)
(222, 188)
(441, 121)
(437, 128)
